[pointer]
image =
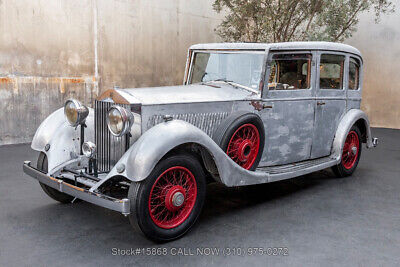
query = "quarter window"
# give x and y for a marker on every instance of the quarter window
(354, 74)
(331, 71)
(290, 72)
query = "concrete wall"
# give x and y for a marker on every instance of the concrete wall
(54, 50)
(380, 46)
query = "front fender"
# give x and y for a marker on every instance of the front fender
(142, 157)
(351, 117)
(63, 139)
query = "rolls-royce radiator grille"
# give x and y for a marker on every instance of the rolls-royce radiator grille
(109, 148)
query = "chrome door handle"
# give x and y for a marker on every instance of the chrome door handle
(320, 103)
(266, 106)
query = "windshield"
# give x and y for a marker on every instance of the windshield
(240, 68)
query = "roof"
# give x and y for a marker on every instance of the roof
(280, 46)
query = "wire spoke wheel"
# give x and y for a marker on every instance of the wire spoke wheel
(351, 149)
(172, 197)
(244, 145)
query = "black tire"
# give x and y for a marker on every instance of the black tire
(140, 193)
(224, 133)
(341, 170)
(42, 165)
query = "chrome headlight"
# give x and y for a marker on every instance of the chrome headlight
(75, 112)
(119, 120)
(88, 149)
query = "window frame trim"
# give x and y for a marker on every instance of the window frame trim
(359, 73)
(345, 71)
(268, 69)
(258, 91)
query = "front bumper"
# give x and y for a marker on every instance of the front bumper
(121, 205)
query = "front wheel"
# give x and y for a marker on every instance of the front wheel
(42, 165)
(351, 154)
(168, 202)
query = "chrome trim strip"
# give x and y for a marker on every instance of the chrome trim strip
(121, 205)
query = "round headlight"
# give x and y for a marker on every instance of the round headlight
(88, 149)
(119, 120)
(75, 112)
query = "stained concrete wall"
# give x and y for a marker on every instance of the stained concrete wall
(380, 46)
(54, 50)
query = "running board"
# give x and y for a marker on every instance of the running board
(291, 170)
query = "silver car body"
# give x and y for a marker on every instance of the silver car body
(305, 130)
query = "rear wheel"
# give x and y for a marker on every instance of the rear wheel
(168, 202)
(351, 154)
(42, 165)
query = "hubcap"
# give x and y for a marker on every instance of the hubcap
(244, 150)
(350, 150)
(178, 199)
(172, 197)
(244, 145)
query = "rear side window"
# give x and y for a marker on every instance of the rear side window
(354, 74)
(331, 71)
(290, 72)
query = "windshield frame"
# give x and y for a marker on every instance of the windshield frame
(192, 55)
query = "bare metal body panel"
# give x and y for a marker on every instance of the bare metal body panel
(62, 139)
(195, 93)
(301, 134)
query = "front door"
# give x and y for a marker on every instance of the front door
(288, 108)
(330, 102)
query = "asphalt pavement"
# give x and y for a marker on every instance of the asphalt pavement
(317, 220)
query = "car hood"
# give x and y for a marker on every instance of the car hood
(185, 94)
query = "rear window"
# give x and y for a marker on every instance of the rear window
(354, 74)
(331, 71)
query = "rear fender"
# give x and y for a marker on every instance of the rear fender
(351, 117)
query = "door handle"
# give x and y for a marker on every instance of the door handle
(320, 103)
(266, 106)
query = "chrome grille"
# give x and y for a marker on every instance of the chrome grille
(109, 148)
(207, 122)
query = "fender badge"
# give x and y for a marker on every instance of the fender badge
(168, 118)
(47, 147)
(120, 168)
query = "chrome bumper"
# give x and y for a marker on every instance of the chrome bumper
(121, 205)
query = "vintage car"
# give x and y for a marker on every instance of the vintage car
(246, 114)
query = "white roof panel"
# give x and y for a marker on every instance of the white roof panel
(279, 46)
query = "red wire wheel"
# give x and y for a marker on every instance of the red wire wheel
(172, 197)
(244, 145)
(351, 150)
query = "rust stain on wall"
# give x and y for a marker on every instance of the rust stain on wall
(22, 79)
(5, 80)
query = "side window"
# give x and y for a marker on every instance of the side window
(354, 74)
(331, 71)
(290, 72)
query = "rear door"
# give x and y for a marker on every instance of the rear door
(330, 101)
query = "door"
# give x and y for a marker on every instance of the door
(288, 108)
(330, 101)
